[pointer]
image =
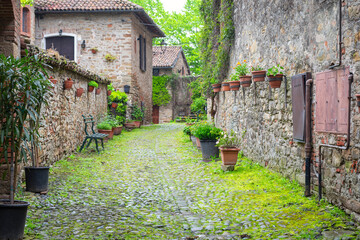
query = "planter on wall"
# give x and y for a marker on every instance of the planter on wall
(109, 92)
(245, 81)
(91, 88)
(114, 105)
(258, 76)
(98, 91)
(234, 85)
(209, 150)
(275, 81)
(229, 156)
(79, 92)
(216, 87)
(12, 219)
(225, 86)
(68, 83)
(53, 81)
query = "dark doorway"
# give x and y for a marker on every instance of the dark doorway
(63, 44)
(155, 116)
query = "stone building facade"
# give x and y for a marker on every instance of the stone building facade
(119, 30)
(169, 60)
(302, 36)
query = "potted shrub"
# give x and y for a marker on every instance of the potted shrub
(109, 57)
(117, 98)
(137, 115)
(68, 83)
(216, 87)
(94, 50)
(110, 88)
(241, 70)
(234, 83)
(275, 76)
(258, 74)
(79, 92)
(92, 85)
(28, 76)
(106, 128)
(229, 146)
(130, 124)
(208, 135)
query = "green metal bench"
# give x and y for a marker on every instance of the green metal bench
(92, 135)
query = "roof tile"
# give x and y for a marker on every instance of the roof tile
(166, 57)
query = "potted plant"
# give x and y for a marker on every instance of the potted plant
(216, 87)
(241, 70)
(234, 83)
(258, 74)
(106, 128)
(130, 124)
(79, 92)
(53, 81)
(137, 115)
(109, 57)
(92, 85)
(97, 91)
(94, 50)
(110, 88)
(229, 146)
(208, 135)
(25, 75)
(117, 98)
(68, 83)
(275, 76)
(225, 86)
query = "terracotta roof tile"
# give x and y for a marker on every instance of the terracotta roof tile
(84, 5)
(166, 57)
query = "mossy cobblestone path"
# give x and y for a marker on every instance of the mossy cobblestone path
(151, 184)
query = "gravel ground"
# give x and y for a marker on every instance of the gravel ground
(151, 184)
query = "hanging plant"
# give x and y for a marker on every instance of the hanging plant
(109, 57)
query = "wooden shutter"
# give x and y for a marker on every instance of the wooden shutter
(298, 106)
(142, 53)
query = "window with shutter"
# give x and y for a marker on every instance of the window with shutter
(25, 28)
(142, 53)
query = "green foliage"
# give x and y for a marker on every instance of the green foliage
(198, 105)
(275, 70)
(109, 119)
(206, 131)
(187, 130)
(241, 69)
(93, 84)
(109, 57)
(118, 97)
(257, 68)
(110, 87)
(137, 113)
(161, 95)
(229, 140)
(104, 126)
(27, 2)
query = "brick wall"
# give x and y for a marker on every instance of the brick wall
(302, 37)
(10, 27)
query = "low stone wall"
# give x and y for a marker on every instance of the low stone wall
(302, 38)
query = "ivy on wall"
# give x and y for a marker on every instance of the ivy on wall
(161, 95)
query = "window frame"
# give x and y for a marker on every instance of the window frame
(27, 21)
(43, 42)
(142, 53)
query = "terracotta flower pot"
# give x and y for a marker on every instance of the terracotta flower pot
(275, 81)
(258, 76)
(358, 101)
(109, 92)
(225, 86)
(94, 51)
(114, 105)
(91, 88)
(245, 81)
(53, 81)
(130, 125)
(216, 87)
(109, 132)
(234, 85)
(117, 130)
(137, 124)
(229, 156)
(68, 83)
(98, 91)
(79, 92)
(198, 144)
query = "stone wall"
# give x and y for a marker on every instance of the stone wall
(301, 36)
(10, 27)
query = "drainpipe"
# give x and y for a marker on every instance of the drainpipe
(347, 145)
(340, 36)
(308, 145)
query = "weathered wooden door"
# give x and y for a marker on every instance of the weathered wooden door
(63, 44)
(155, 116)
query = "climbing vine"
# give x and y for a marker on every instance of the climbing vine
(161, 95)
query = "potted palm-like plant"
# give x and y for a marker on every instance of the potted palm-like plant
(229, 146)
(208, 135)
(275, 76)
(28, 77)
(137, 115)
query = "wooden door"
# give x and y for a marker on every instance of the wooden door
(155, 116)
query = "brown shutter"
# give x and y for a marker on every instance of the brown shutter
(144, 57)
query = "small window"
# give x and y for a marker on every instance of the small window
(25, 20)
(142, 52)
(63, 44)
(182, 71)
(156, 72)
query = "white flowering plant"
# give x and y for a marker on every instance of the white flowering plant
(229, 140)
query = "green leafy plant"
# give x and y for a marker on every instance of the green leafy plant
(198, 105)
(110, 87)
(229, 140)
(187, 130)
(137, 113)
(206, 131)
(241, 69)
(118, 97)
(110, 58)
(104, 126)
(274, 70)
(256, 68)
(121, 99)
(93, 84)
(161, 95)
